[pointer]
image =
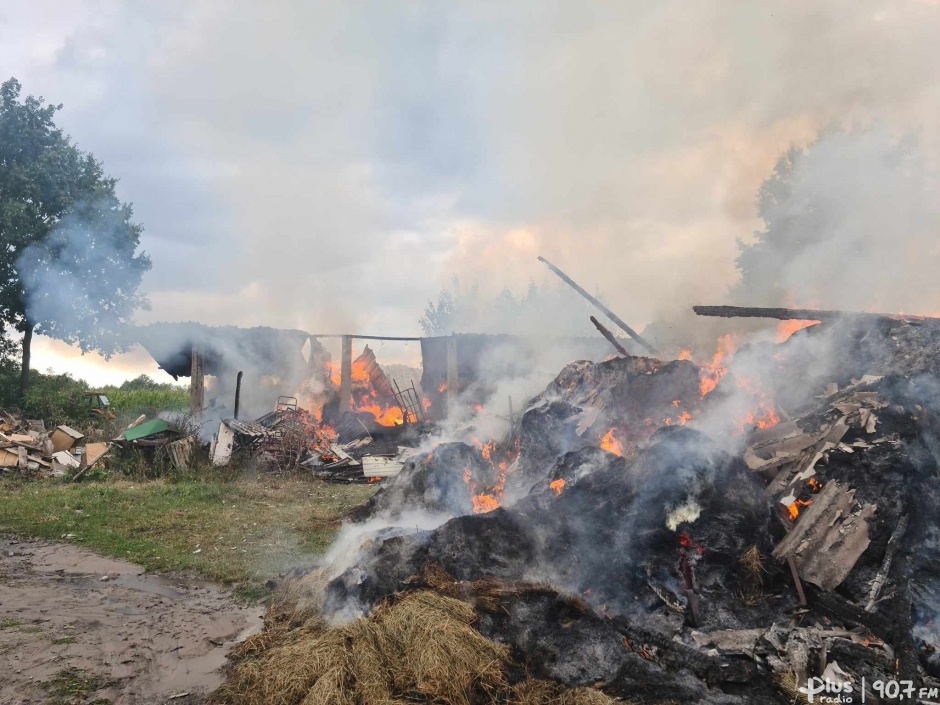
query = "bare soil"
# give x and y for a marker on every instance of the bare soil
(68, 635)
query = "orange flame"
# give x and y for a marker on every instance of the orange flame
(794, 509)
(611, 444)
(787, 328)
(685, 354)
(763, 414)
(364, 397)
(710, 373)
(814, 484)
(557, 485)
(762, 417)
(483, 498)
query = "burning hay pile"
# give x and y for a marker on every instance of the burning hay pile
(738, 531)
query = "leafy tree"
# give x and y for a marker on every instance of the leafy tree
(69, 266)
(849, 222)
(141, 382)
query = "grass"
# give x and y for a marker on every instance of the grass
(71, 685)
(239, 532)
(148, 401)
(9, 623)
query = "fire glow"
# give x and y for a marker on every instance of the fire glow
(611, 444)
(794, 509)
(787, 328)
(712, 372)
(557, 485)
(364, 396)
(486, 498)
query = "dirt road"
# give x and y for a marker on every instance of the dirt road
(70, 634)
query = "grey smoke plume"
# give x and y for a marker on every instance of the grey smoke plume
(623, 141)
(850, 222)
(81, 281)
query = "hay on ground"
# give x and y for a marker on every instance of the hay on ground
(539, 692)
(422, 644)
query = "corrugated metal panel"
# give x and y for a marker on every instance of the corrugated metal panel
(380, 466)
(246, 428)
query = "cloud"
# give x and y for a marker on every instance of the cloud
(331, 165)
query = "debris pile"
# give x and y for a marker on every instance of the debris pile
(668, 566)
(27, 449)
(291, 438)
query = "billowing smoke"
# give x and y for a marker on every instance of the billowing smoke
(850, 222)
(81, 281)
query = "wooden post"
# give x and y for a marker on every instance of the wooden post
(610, 337)
(197, 387)
(606, 311)
(452, 380)
(345, 376)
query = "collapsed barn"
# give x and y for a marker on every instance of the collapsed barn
(661, 531)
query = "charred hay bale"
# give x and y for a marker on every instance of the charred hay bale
(548, 430)
(636, 395)
(380, 570)
(570, 468)
(496, 544)
(556, 640)
(435, 483)
(469, 547)
(611, 530)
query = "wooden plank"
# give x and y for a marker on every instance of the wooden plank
(800, 314)
(610, 337)
(606, 311)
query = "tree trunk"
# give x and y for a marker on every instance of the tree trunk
(24, 370)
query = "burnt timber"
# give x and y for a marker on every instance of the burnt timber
(606, 311)
(798, 314)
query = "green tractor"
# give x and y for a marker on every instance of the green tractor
(98, 405)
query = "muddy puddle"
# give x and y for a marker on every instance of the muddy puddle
(130, 637)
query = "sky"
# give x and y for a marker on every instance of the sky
(330, 166)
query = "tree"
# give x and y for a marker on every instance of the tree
(850, 221)
(69, 266)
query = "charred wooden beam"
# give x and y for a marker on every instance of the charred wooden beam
(345, 376)
(610, 337)
(238, 394)
(835, 605)
(905, 649)
(798, 314)
(197, 388)
(882, 575)
(791, 561)
(606, 311)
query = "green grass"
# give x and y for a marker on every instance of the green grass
(148, 401)
(9, 623)
(245, 531)
(71, 685)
